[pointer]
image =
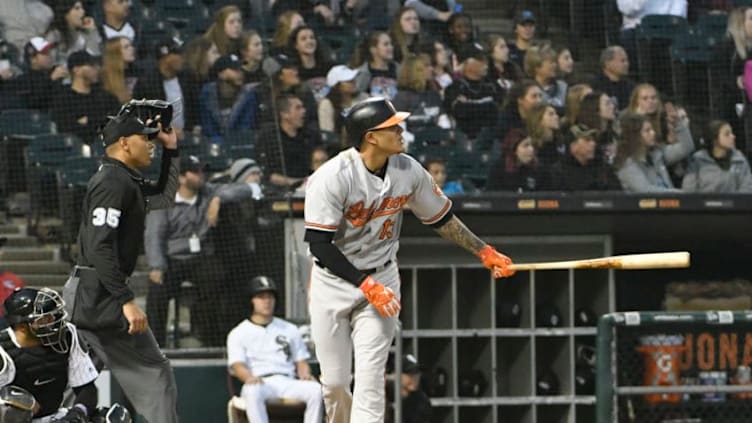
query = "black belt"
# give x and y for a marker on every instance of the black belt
(366, 271)
(275, 374)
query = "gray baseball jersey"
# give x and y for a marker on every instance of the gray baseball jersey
(364, 210)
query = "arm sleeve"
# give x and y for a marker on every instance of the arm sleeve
(106, 203)
(300, 352)
(326, 253)
(428, 202)
(87, 396)
(155, 239)
(680, 149)
(162, 194)
(424, 11)
(634, 180)
(745, 185)
(235, 350)
(7, 368)
(630, 7)
(691, 178)
(81, 370)
(326, 115)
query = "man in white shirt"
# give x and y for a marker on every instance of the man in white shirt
(634, 10)
(266, 353)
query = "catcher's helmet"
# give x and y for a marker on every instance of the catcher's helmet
(16, 405)
(44, 311)
(368, 115)
(261, 284)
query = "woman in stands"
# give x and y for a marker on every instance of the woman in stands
(439, 56)
(564, 64)
(414, 95)
(543, 127)
(252, 53)
(405, 32)
(598, 111)
(287, 22)
(312, 57)
(501, 71)
(377, 69)
(342, 95)
(200, 54)
(517, 106)
(572, 106)
(645, 101)
(640, 162)
(72, 31)
(518, 169)
(226, 29)
(117, 76)
(719, 167)
(540, 65)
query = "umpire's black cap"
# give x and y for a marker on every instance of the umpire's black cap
(370, 115)
(125, 126)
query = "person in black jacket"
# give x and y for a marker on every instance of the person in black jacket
(581, 169)
(517, 169)
(166, 83)
(37, 85)
(99, 301)
(471, 99)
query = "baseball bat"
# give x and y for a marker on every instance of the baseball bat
(676, 259)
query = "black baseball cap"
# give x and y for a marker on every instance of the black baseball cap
(192, 164)
(580, 131)
(524, 16)
(81, 58)
(167, 46)
(230, 61)
(125, 126)
(470, 50)
(410, 364)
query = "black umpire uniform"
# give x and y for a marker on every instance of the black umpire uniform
(110, 240)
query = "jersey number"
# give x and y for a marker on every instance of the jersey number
(110, 216)
(386, 229)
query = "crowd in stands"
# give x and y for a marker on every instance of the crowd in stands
(289, 72)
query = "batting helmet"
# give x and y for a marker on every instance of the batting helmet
(369, 115)
(16, 405)
(44, 311)
(261, 284)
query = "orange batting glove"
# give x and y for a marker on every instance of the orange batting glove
(381, 297)
(496, 262)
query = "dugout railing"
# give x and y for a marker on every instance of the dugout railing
(687, 367)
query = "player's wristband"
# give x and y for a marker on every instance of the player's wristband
(367, 283)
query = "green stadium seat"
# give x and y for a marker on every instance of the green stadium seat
(25, 122)
(691, 56)
(712, 24)
(73, 177)
(654, 37)
(240, 144)
(330, 138)
(53, 149)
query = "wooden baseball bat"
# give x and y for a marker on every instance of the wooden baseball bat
(676, 259)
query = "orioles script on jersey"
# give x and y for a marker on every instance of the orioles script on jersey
(358, 215)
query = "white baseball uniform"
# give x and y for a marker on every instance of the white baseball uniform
(270, 352)
(364, 212)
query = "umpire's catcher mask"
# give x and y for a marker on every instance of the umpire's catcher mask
(44, 311)
(16, 405)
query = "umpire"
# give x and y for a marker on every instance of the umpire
(99, 300)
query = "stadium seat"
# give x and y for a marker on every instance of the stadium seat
(25, 122)
(240, 144)
(212, 155)
(691, 55)
(712, 24)
(330, 138)
(72, 179)
(654, 37)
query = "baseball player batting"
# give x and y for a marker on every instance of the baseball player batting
(353, 216)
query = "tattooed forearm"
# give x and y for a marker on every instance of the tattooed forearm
(456, 231)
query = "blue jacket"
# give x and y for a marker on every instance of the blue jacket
(242, 116)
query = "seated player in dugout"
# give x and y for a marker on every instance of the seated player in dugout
(353, 216)
(41, 354)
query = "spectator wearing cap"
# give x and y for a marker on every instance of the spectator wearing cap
(82, 107)
(41, 79)
(21, 20)
(179, 248)
(540, 65)
(377, 69)
(415, 95)
(517, 169)
(471, 100)
(312, 57)
(116, 24)
(343, 94)
(580, 169)
(166, 83)
(285, 149)
(524, 36)
(71, 30)
(245, 182)
(284, 78)
(226, 104)
(416, 406)
(613, 78)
